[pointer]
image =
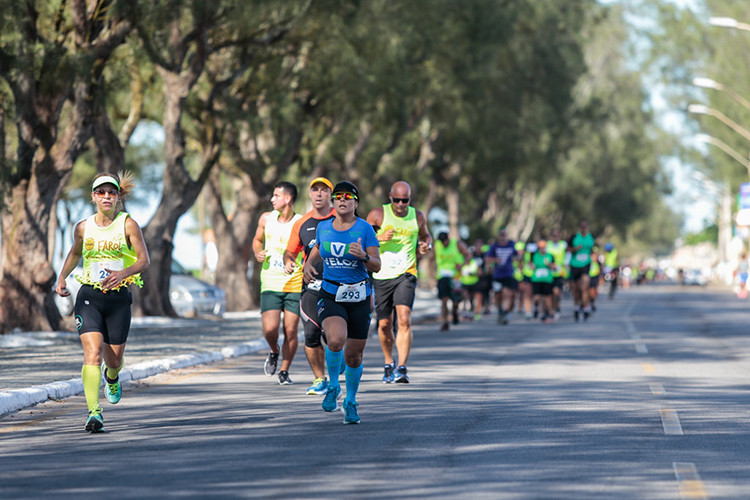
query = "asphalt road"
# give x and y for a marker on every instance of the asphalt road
(647, 400)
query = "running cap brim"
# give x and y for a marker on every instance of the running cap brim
(105, 179)
(322, 180)
(346, 187)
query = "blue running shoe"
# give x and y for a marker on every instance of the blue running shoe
(95, 422)
(331, 401)
(401, 377)
(388, 373)
(318, 387)
(349, 409)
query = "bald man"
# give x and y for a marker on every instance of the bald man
(402, 232)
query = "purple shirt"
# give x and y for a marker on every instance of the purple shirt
(504, 254)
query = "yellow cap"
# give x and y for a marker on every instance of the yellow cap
(322, 180)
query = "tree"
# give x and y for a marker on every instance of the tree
(52, 60)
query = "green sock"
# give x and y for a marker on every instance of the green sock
(112, 373)
(91, 376)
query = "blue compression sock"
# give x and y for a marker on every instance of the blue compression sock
(353, 376)
(334, 360)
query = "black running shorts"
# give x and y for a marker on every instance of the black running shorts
(356, 314)
(577, 272)
(108, 313)
(394, 292)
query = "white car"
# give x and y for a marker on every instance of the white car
(190, 296)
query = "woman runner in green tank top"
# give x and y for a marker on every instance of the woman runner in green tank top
(114, 254)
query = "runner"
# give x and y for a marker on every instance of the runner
(611, 267)
(525, 287)
(595, 271)
(740, 273)
(557, 248)
(475, 281)
(502, 255)
(114, 254)
(303, 238)
(279, 291)
(580, 262)
(450, 255)
(348, 247)
(402, 233)
(543, 266)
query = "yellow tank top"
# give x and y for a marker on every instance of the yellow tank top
(272, 276)
(106, 248)
(399, 254)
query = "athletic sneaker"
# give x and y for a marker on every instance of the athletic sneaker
(586, 315)
(284, 378)
(349, 409)
(331, 401)
(444, 327)
(318, 387)
(269, 367)
(576, 315)
(95, 422)
(113, 390)
(401, 377)
(388, 373)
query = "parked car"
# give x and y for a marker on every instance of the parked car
(189, 296)
(193, 297)
(694, 277)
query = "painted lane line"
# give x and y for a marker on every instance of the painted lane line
(648, 368)
(671, 423)
(641, 348)
(657, 389)
(689, 481)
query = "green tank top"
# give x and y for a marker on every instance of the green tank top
(272, 276)
(594, 270)
(610, 259)
(470, 273)
(447, 258)
(527, 271)
(542, 268)
(557, 251)
(107, 248)
(399, 254)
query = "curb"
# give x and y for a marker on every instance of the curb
(18, 399)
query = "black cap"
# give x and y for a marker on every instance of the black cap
(346, 187)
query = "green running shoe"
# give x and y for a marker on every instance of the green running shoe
(95, 422)
(331, 401)
(349, 409)
(114, 391)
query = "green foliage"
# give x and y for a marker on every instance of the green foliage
(709, 234)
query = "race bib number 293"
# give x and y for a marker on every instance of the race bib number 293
(351, 293)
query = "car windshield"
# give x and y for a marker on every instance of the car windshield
(178, 269)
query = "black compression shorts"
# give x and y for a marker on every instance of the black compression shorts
(108, 313)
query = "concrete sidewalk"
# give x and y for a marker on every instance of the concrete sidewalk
(38, 366)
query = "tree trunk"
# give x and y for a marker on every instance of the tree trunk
(233, 241)
(179, 193)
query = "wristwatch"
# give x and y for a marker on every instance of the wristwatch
(366, 259)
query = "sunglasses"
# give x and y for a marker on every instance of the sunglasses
(400, 200)
(343, 196)
(102, 192)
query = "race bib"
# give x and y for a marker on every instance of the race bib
(447, 273)
(541, 273)
(276, 262)
(351, 293)
(581, 257)
(392, 260)
(314, 285)
(99, 269)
